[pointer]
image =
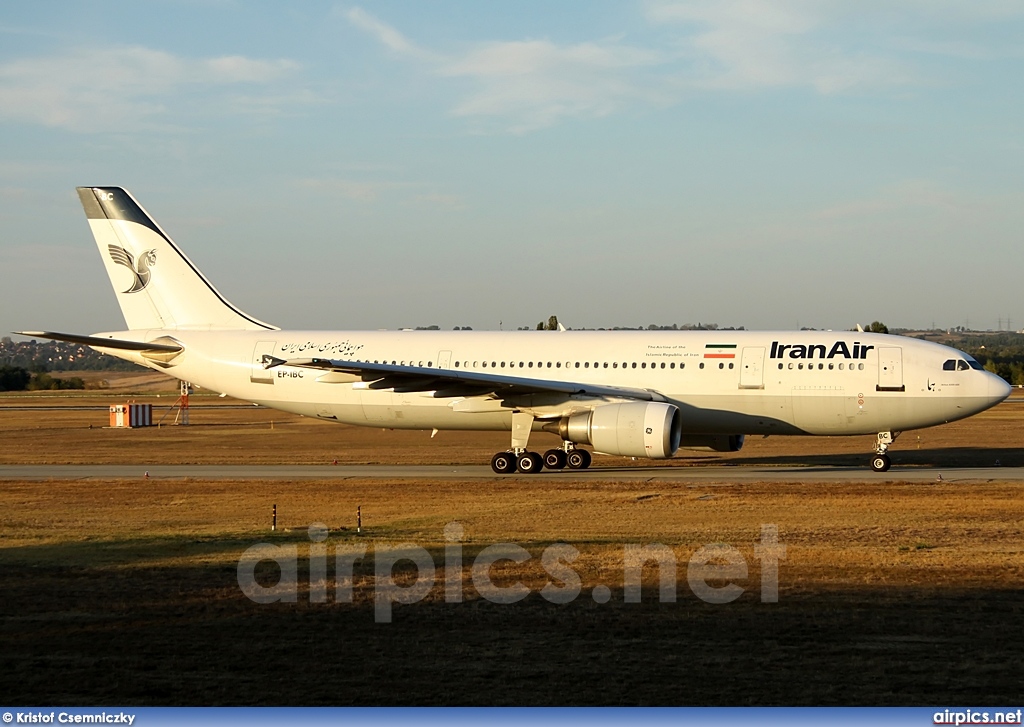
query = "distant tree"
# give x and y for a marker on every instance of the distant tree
(45, 382)
(878, 327)
(551, 325)
(14, 378)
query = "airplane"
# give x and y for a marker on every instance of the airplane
(640, 394)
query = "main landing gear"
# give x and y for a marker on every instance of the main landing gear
(527, 463)
(880, 461)
(518, 459)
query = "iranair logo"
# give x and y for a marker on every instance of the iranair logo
(140, 270)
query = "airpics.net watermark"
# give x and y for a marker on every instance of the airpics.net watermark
(716, 562)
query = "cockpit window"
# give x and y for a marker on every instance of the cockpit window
(959, 364)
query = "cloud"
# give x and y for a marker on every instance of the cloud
(444, 201)
(749, 44)
(530, 84)
(117, 89)
(355, 190)
(907, 195)
(384, 33)
(536, 83)
(703, 46)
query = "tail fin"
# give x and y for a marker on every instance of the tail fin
(156, 285)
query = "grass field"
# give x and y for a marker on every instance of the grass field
(126, 591)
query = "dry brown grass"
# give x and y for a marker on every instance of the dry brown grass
(124, 591)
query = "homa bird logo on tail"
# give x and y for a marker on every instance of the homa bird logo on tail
(141, 272)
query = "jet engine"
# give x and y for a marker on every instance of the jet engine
(635, 429)
(713, 442)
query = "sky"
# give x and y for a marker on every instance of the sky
(772, 164)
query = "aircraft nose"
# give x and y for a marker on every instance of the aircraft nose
(998, 389)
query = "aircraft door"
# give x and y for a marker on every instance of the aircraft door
(444, 359)
(752, 368)
(890, 369)
(258, 374)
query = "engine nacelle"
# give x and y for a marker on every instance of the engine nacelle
(714, 442)
(636, 429)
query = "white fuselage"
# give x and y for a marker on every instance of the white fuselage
(724, 382)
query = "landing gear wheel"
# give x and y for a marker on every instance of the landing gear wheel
(555, 459)
(578, 459)
(880, 462)
(529, 463)
(504, 463)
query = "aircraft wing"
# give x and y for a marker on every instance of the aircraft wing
(450, 382)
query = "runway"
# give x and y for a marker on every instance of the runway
(481, 472)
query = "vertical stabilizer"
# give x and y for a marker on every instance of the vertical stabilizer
(156, 285)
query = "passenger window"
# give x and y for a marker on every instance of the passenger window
(790, 366)
(605, 364)
(577, 364)
(643, 365)
(672, 365)
(840, 367)
(682, 365)
(586, 365)
(800, 366)
(730, 365)
(662, 364)
(831, 366)
(701, 364)
(456, 364)
(634, 364)
(780, 365)
(721, 365)
(860, 366)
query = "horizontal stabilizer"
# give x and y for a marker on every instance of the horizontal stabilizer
(100, 342)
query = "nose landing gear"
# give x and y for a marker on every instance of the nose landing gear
(880, 461)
